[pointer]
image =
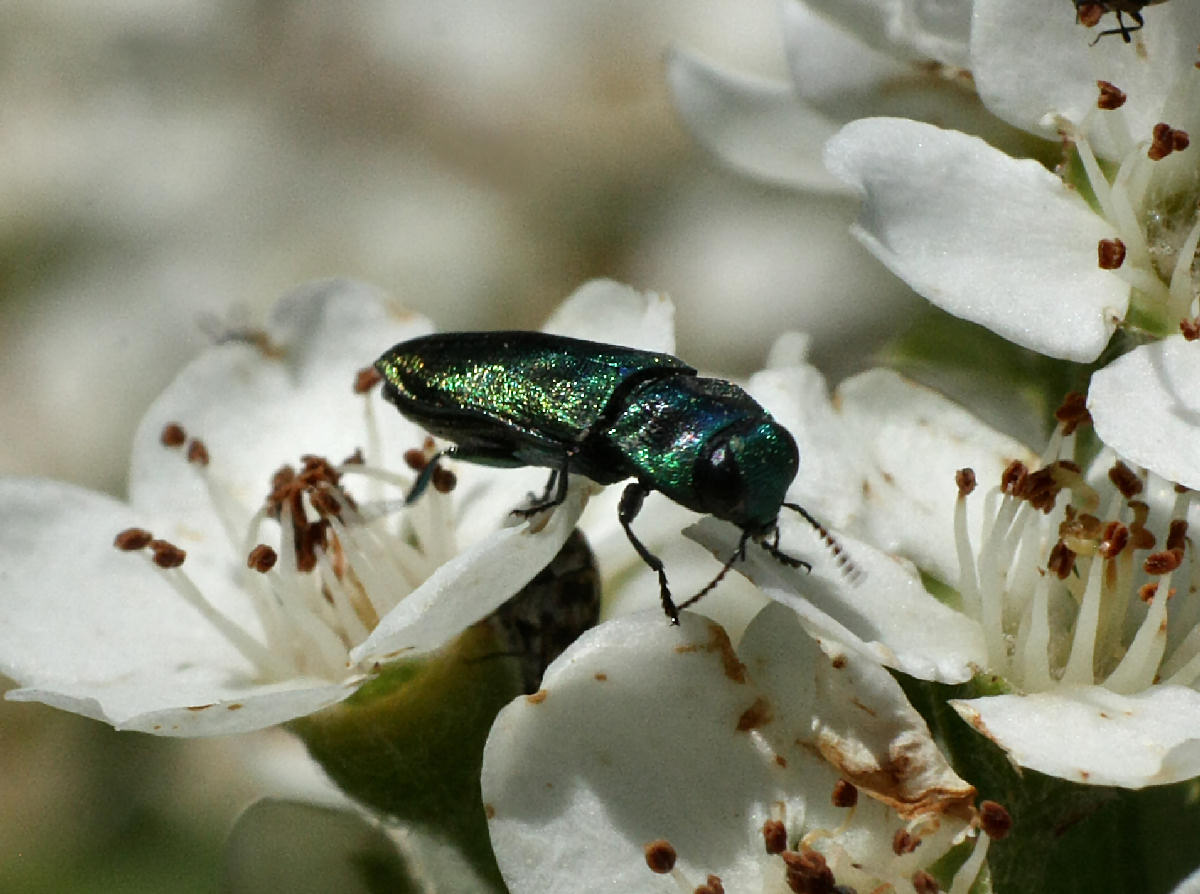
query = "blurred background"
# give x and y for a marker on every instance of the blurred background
(171, 168)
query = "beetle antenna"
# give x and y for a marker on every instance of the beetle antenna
(738, 554)
(840, 556)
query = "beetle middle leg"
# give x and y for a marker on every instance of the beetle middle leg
(557, 482)
(627, 510)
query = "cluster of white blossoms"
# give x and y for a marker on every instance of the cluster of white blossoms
(777, 753)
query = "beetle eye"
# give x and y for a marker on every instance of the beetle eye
(719, 481)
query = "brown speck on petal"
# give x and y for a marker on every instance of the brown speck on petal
(964, 479)
(1111, 253)
(995, 820)
(537, 698)
(756, 716)
(132, 539)
(197, 453)
(262, 559)
(366, 379)
(774, 836)
(660, 856)
(173, 435)
(904, 842)
(355, 459)
(1111, 96)
(845, 794)
(1146, 592)
(166, 555)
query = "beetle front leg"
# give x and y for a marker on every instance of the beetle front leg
(627, 510)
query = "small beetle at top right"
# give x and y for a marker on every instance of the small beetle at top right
(1089, 12)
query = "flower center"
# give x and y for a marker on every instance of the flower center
(1152, 210)
(1074, 573)
(339, 564)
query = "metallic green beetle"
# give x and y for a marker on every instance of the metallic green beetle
(608, 413)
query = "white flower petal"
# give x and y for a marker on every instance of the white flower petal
(1091, 734)
(96, 631)
(607, 311)
(995, 240)
(473, 584)
(908, 506)
(1007, 34)
(759, 127)
(882, 612)
(919, 29)
(256, 411)
(634, 714)
(1145, 406)
(852, 711)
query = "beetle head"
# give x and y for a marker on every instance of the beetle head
(744, 472)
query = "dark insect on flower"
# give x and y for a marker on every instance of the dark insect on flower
(608, 413)
(1089, 13)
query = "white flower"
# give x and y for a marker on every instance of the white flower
(192, 641)
(660, 745)
(846, 60)
(1077, 590)
(1052, 262)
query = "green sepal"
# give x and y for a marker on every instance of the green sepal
(409, 743)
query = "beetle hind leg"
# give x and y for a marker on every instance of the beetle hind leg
(627, 510)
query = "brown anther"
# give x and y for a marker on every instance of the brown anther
(1162, 142)
(845, 794)
(355, 459)
(132, 539)
(1190, 328)
(443, 480)
(995, 820)
(366, 379)
(904, 842)
(806, 872)
(282, 478)
(262, 559)
(1180, 140)
(712, 885)
(965, 480)
(1163, 562)
(1147, 592)
(326, 502)
(1111, 96)
(1073, 412)
(1114, 539)
(1177, 534)
(197, 453)
(1061, 561)
(660, 856)
(172, 435)
(1125, 480)
(1111, 253)
(166, 555)
(924, 883)
(1013, 477)
(774, 835)
(415, 459)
